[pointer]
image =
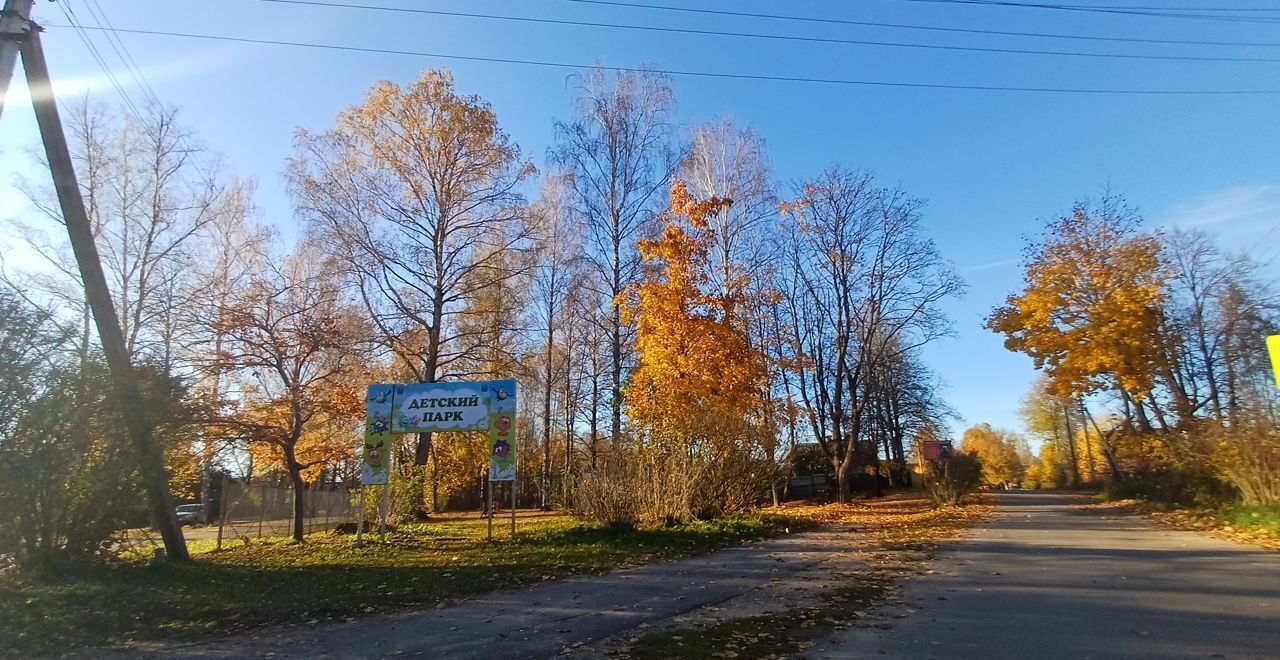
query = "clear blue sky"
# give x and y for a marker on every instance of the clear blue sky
(991, 164)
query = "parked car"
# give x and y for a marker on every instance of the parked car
(190, 514)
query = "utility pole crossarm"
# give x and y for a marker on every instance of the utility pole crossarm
(15, 25)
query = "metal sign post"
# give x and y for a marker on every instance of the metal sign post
(382, 513)
(360, 524)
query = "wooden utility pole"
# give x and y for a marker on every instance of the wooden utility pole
(20, 29)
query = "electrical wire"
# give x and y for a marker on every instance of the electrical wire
(1168, 8)
(82, 31)
(776, 37)
(104, 25)
(929, 28)
(1098, 9)
(701, 74)
(100, 17)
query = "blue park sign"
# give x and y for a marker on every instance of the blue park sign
(393, 408)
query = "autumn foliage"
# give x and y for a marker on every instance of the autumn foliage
(696, 393)
(1091, 305)
(1166, 332)
(699, 379)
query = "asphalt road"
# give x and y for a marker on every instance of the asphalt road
(1049, 578)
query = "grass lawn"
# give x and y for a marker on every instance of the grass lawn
(1262, 519)
(330, 578)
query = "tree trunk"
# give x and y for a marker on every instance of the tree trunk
(615, 404)
(546, 425)
(435, 480)
(844, 489)
(595, 416)
(299, 495)
(1107, 451)
(418, 494)
(1071, 448)
(570, 411)
(1088, 446)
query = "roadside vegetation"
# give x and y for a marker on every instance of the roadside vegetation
(1256, 525)
(1156, 384)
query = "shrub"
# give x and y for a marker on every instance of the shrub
(653, 486)
(947, 481)
(67, 478)
(604, 495)
(1247, 456)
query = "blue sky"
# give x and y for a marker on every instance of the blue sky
(990, 164)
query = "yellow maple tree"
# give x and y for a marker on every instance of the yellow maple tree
(1091, 307)
(699, 379)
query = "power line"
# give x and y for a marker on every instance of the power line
(122, 51)
(1167, 8)
(930, 28)
(1098, 9)
(702, 74)
(104, 25)
(81, 31)
(777, 37)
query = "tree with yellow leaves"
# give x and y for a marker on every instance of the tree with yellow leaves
(698, 386)
(1092, 302)
(1091, 310)
(697, 371)
(415, 195)
(997, 450)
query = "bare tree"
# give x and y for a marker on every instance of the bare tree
(558, 255)
(619, 154)
(149, 192)
(865, 290)
(729, 162)
(235, 246)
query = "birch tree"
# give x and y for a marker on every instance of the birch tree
(618, 150)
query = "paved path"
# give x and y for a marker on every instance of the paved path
(1050, 579)
(544, 620)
